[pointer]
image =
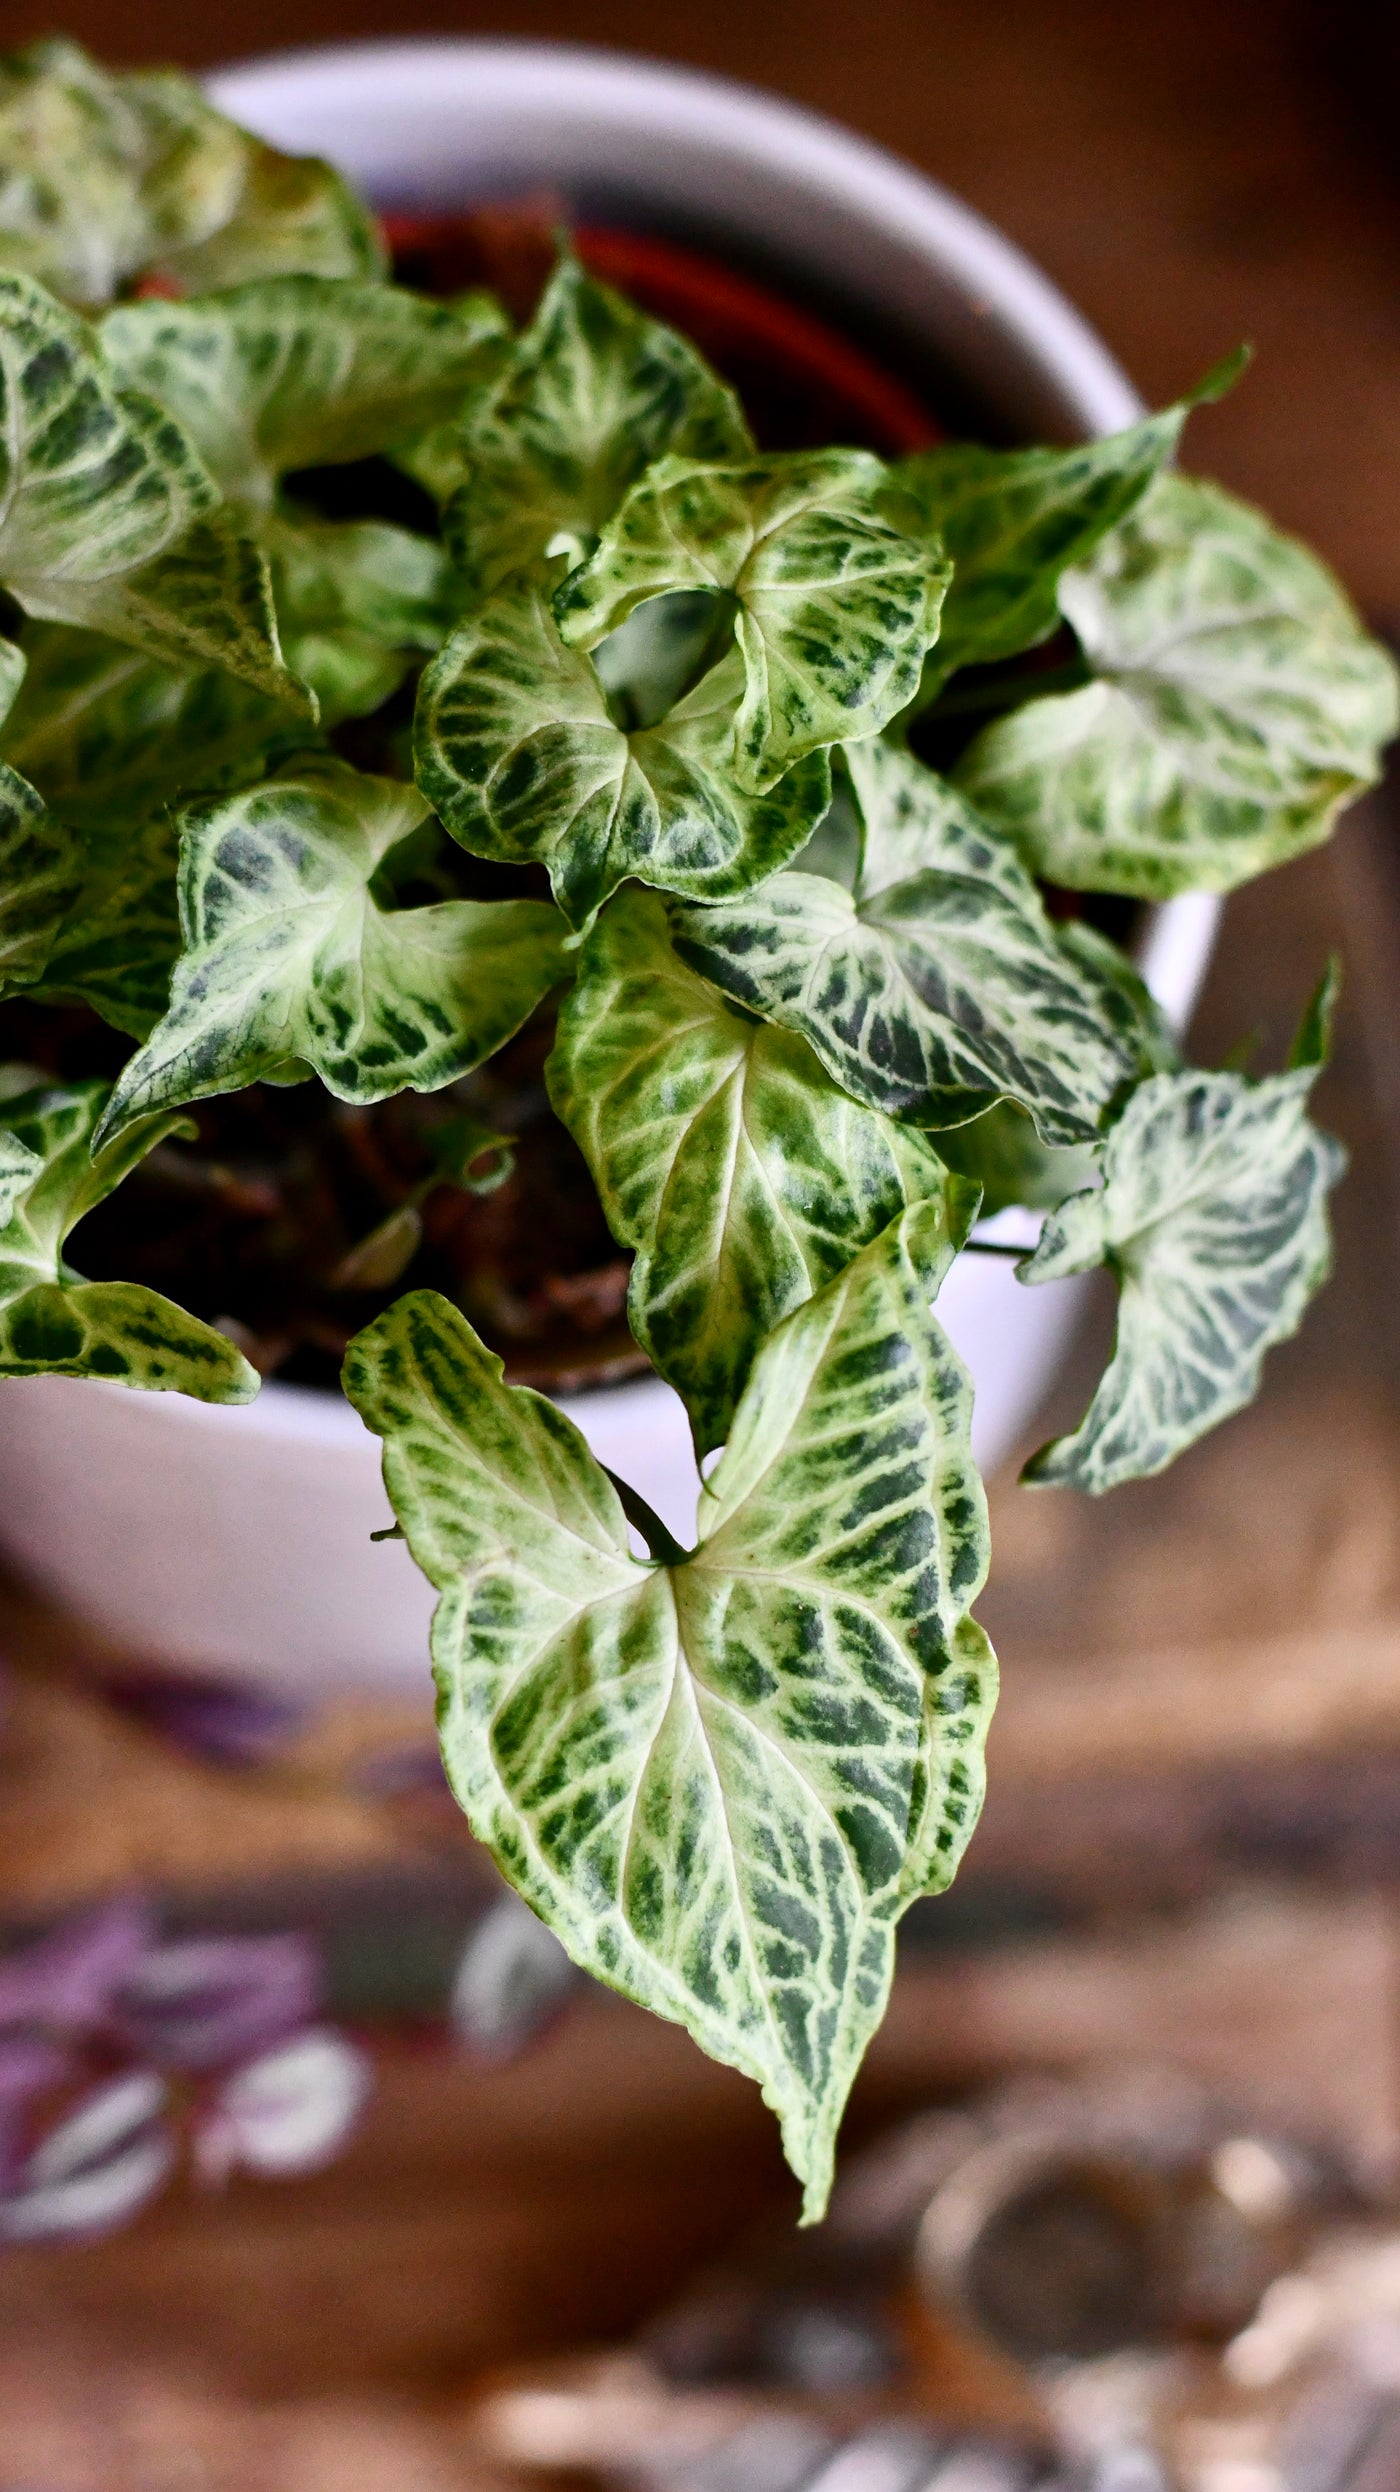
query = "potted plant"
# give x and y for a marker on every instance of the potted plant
(505, 721)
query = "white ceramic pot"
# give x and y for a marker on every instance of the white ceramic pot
(237, 1541)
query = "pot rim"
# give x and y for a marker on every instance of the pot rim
(285, 94)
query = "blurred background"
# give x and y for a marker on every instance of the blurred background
(1191, 1851)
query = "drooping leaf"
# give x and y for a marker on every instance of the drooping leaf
(52, 1322)
(293, 372)
(357, 600)
(517, 750)
(1212, 1216)
(288, 953)
(107, 518)
(717, 1780)
(834, 606)
(118, 944)
(40, 876)
(1011, 521)
(591, 394)
(109, 736)
(724, 1155)
(939, 985)
(1238, 706)
(103, 177)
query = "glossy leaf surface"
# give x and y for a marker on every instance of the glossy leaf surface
(939, 985)
(51, 1320)
(1238, 705)
(518, 752)
(294, 372)
(1212, 1216)
(715, 1779)
(724, 1156)
(590, 395)
(108, 519)
(834, 606)
(288, 954)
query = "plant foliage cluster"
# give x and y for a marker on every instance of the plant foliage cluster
(812, 1010)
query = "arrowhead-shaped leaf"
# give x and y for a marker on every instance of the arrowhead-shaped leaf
(517, 750)
(103, 177)
(1011, 521)
(1239, 704)
(590, 394)
(940, 985)
(288, 954)
(109, 736)
(293, 372)
(107, 518)
(40, 877)
(724, 1155)
(834, 606)
(52, 1322)
(717, 1780)
(1212, 1215)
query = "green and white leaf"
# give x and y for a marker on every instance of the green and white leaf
(1238, 705)
(939, 985)
(52, 1321)
(1212, 1216)
(358, 601)
(719, 1780)
(293, 372)
(103, 177)
(108, 519)
(517, 750)
(108, 735)
(1011, 521)
(119, 943)
(12, 665)
(834, 606)
(739, 1174)
(288, 954)
(591, 394)
(40, 877)
(437, 459)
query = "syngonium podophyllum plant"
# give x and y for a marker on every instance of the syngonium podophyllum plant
(814, 1017)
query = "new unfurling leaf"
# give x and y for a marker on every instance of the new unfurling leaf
(1212, 1216)
(289, 956)
(518, 751)
(939, 985)
(834, 605)
(52, 1321)
(739, 1173)
(1237, 706)
(722, 1780)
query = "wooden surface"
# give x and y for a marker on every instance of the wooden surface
(1202, 1700)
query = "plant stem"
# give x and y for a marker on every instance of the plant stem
(993, 1246)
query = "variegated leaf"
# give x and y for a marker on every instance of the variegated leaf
(719, 1779)
(12, 665)
(592, 393)
(109, 736)
(107, 518)
(120, 940)
(1011, 521)
(357, 602)
(52, 1321)
(517, 749)
(939, 985)
(289, 956)
(1212, 1215)
(834, 606)
(293, 372)
(437, 459)
(103, 177)
(724, 1156)
(40, 877)
(1238, 705)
